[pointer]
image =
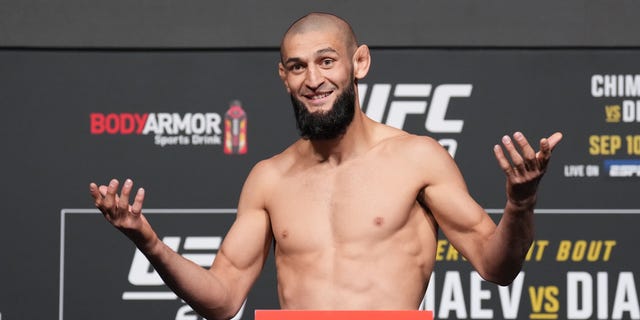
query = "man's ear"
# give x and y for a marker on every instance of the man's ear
(361, 61)
(283, 75)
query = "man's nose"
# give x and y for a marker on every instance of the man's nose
(314, 77)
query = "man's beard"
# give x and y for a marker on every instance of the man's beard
(329, 124)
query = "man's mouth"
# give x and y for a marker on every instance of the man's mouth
(318, 98)
(319, 95)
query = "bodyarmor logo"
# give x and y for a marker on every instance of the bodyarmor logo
(171, 129)
(168, 129)
(412, 99)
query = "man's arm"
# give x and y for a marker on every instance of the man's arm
(216, 293)
(496, 252)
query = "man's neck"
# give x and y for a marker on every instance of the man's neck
(356, 140)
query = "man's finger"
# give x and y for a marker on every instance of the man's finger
(137, 202)
(95, 193)
(103, 190)
(503, 162)
(528, 153)
(123, 201)
(554, 139)
(515, 156)
(110, 197)
(546, 146)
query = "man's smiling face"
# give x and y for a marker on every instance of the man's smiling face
(317, 71)
(316, 67)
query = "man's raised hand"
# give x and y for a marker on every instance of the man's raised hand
(116, 209)
(526, 167)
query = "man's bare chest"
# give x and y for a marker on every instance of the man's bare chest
(355, 205)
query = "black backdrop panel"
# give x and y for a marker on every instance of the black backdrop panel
(71, 117)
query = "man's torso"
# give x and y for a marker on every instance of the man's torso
(351, 236)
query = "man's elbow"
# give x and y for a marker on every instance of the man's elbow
(225, 307)
(503, 278)
(219, 313)
(503, 281)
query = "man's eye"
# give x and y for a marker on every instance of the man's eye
(296, 67)
(327, 62)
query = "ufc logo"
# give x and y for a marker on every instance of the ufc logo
(414, 101)
(197, 249)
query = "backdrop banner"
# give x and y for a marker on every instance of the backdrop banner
(188, 126)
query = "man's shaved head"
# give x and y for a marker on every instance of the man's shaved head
(322, 22)
(320, 64)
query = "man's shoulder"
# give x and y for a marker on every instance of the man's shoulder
(421, 155)
(402, 142)
(276, 164)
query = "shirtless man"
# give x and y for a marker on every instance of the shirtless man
(353, 206)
